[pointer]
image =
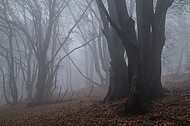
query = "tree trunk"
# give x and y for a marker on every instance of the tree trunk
(41, 82)
(119, 86)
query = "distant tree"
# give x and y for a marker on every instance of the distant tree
(41, 30)
(27, 64)
(177, 40)
(9, 54)
(95, 59)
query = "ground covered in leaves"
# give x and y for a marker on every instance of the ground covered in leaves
(171, 110)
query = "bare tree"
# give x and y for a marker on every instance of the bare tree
(143, 51)
(41, 39)
(12, 68)
(93, 20)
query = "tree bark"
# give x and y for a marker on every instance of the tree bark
(119, 86)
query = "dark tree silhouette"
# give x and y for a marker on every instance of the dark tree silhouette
(143, 50)
(119, 85)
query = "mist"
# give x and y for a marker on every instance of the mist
(85, 58)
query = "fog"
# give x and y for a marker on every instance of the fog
(52, 49)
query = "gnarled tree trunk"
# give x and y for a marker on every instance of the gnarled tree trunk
(119, 86)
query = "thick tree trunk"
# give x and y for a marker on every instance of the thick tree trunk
(149, 47)
(119, 86)
(151, 37)
(158, 39)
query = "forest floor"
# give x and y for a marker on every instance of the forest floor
(171, 110)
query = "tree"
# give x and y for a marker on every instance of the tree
(143, 51)
(41, 42)
(41, 29)
(27, 64)
(119, 83)
(12, 68)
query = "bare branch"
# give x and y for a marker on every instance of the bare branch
(69, 33)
